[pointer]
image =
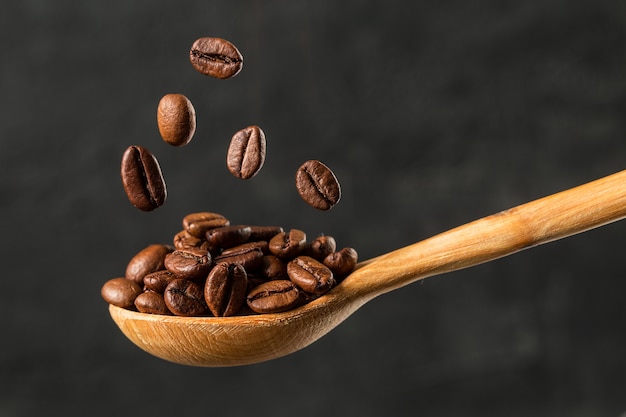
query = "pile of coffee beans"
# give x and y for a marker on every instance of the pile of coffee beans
(214, 268)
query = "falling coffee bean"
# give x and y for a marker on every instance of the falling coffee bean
(142, 179)
(176, 119)
(318, 185)
(246, 153)
(216, 57)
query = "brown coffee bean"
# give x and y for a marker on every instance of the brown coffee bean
(246, 153)
(142, 179)
(149, 259)
(216, 57)
(197, 224)
(120, 292)
(176, 119)
(227, 236)
(185, 298)
(273, 297)
(184, 239)
(342, 262)
(190, 263)
(273, 268)
(250, 256)
(310, 275)
(288, 244)
(318, 185)
(157, 281)
(264, 232)
(225, 289)
(321, 247)
(151, 302)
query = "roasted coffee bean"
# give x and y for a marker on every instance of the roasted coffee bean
(246, 153)
(184, 239)
(225, 289)
(310, 275)
(197, 224)
(142, 179)
(264, 232)
(157, 281)
(152, 303)
(185, 298)
(342, 262)
(263, 246)
(318, 185)
(250, 256)
(288, 244)
(216, 57)
(274, 297)
(274, 268)
(321, 247)
(176, 119)
(227, 236)
(120, 292)
(190, 263)
(149, 259)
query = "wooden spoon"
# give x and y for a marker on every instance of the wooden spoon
(240, 340)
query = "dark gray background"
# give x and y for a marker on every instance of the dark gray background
(432, 114)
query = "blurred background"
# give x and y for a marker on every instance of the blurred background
(431, 114)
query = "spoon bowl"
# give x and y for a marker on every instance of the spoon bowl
(242, 340)
(231, 341)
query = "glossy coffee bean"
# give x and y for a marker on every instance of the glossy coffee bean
(342, 262)
(216, 57)
(225, 289)
(185, 298)
(288, 244)
(149, 259)
(151, 302)
(157, 281)
(250, 256)
(184, 239)
(274, 297)
(190, 263)
(176, 119)
(227, 236)
(246, 153)
(310, 275)
(197, 224)
(120, 292)
(142, 179)
(321, 247)
(265, 233)
(318, 185)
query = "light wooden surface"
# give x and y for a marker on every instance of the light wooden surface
(210, 341)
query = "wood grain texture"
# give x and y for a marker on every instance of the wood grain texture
(228, 341)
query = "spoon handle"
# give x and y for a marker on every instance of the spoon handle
(550, 218)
